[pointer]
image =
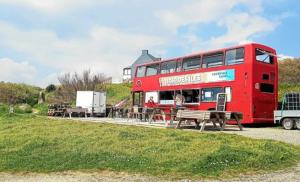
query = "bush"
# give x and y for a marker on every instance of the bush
(50, 88)
(23, 108)
(3, 109)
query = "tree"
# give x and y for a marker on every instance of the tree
(50, 88)
(71, 83)
(289, 71)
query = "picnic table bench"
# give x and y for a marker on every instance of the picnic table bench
(198, 116)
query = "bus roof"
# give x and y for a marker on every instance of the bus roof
(207, 52)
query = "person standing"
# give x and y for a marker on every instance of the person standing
(179, 100)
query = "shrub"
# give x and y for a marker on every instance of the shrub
(3, 109)
(23, 108)
(50, 88)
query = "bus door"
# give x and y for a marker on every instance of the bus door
(138, 98)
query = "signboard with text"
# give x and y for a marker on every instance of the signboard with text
(196, 78)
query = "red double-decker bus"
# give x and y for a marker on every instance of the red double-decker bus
(248, 74)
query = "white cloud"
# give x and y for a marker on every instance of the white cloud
(54, 5)
(240, 26)
(202, 11)
(106, 50)
(283, 57)
(12, 71)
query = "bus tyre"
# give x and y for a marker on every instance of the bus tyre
(287, 123)
(297, 123)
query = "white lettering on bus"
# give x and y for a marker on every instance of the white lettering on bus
(205, 77)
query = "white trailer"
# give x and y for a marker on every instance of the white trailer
(95, 102)
(289, 115)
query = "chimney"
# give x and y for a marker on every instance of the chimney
(144, 51)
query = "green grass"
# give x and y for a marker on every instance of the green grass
(42, 109)
(31, 143)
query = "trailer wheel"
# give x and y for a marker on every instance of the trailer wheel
(297, 123)
(288, 123)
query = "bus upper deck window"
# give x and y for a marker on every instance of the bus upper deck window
(152, 70)
(140, 71)
(168, 67)
(264, 56)
(179, 66)
(191, 63)
(212, 60)
(234, 56)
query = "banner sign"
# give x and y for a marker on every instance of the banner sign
(196, 78)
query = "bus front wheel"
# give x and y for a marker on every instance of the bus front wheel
(288, 123)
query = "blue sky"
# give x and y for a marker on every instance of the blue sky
(40, 40)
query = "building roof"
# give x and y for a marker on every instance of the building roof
(145, 57)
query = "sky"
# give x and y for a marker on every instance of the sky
(42, 39)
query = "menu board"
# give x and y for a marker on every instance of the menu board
(221, 102)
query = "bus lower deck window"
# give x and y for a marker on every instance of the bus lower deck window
(265, 87)
(210, 94)
(191, 96)
(166, 97)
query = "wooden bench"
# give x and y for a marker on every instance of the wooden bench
(220, 117)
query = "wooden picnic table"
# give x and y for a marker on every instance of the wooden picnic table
(220, 117)
(154, 112)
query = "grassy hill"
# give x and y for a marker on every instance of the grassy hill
(18, 93)
(118, 92)
(285, 88)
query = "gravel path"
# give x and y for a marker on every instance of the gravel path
(290, 175)
(279, 176)
(280, 134)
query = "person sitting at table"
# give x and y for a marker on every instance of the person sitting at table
(149, 105)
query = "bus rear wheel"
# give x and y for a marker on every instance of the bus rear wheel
(288, 123)
(297, 123)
